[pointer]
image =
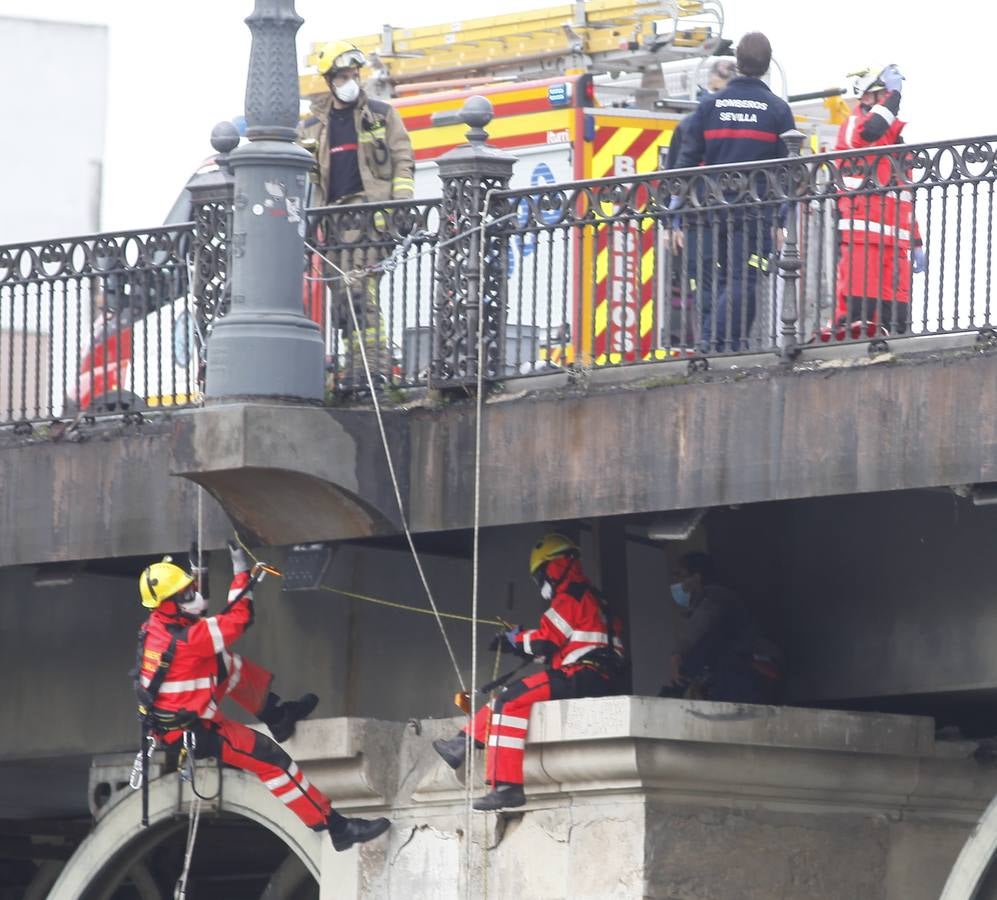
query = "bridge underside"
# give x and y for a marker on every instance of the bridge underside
(667, 441)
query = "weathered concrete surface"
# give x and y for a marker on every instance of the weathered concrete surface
(108, 493)
(292, 474)
(673, 799)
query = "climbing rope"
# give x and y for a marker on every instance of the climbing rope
(194, 814)
(380, 601)
(400, 254)
(391, 469)
(475, 559)
(349, 278)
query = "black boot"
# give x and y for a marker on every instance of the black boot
(356, 831)
(453, 751)
(504, 796)
(280, 716)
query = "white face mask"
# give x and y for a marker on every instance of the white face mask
(195, 607)
(546, 590)
(348, 91)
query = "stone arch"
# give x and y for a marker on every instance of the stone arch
(117, 842)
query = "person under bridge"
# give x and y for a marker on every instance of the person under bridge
(583, 648)
(184, 668)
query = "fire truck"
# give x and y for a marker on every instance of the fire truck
(589, 90)
(586, 91)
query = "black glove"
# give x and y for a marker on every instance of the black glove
(240, 561)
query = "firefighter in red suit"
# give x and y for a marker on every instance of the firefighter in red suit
(185, 668)
(583, 648)
(880, 244)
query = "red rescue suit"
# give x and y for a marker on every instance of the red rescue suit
(877, 230)
(202, 671)
(584, 660)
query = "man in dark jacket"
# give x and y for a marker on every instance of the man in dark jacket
(742, 123)
(720, 653)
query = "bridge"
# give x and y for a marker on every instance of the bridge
(539, 359)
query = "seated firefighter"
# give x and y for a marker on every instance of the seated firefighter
(185, 668)
(720, 653)
(583, 651)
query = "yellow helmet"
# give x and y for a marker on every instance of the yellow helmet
(160, 581)
(548, 547)
(339, 55)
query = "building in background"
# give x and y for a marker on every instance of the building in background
(55, 123)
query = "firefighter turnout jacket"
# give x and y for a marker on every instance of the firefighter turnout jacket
(741, 123)
(201, 660)
(877, 229)
(383, 149)
(584, 651)
(575, 629)
(199, 671)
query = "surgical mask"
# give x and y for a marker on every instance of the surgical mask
(546, 590)
(348, 91)
(195, 606)
(680, 595)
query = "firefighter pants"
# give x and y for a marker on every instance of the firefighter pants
(894, 315)
(502, 725)
(242, 748)
(359, 251)
(725, 267)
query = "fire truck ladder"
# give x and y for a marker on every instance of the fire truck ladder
(597, 36)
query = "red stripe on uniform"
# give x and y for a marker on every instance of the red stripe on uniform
(749, 133)
(342, 148)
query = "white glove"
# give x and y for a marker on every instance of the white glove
(240, 561)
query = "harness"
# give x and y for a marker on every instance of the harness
(605, 660)
(157, 720)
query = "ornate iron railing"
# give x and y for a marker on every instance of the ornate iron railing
(771, 256)
(814, 250)
(97, 324)
(384, 257)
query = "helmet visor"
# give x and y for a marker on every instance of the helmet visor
(349, 59)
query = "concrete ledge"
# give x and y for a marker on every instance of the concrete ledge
(647, 718)
(628, 797)
(703, 753)
(289, 474)
(353, 761)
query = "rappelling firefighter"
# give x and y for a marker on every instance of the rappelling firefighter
(581, 643)
(185, 667)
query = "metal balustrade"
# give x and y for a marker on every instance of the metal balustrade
(761, 258)
(97, 324)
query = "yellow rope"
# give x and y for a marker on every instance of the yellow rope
(428, 612)
(418, 609)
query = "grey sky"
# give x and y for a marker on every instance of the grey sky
(179, 67)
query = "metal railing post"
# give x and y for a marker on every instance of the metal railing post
(266, 346)
(211, 200)
(789, 259)
(465, 289)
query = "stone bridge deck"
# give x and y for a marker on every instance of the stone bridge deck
(633, 441)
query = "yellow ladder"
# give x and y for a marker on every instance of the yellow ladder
(586, 36)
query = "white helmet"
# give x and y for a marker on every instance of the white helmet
(867, 79)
